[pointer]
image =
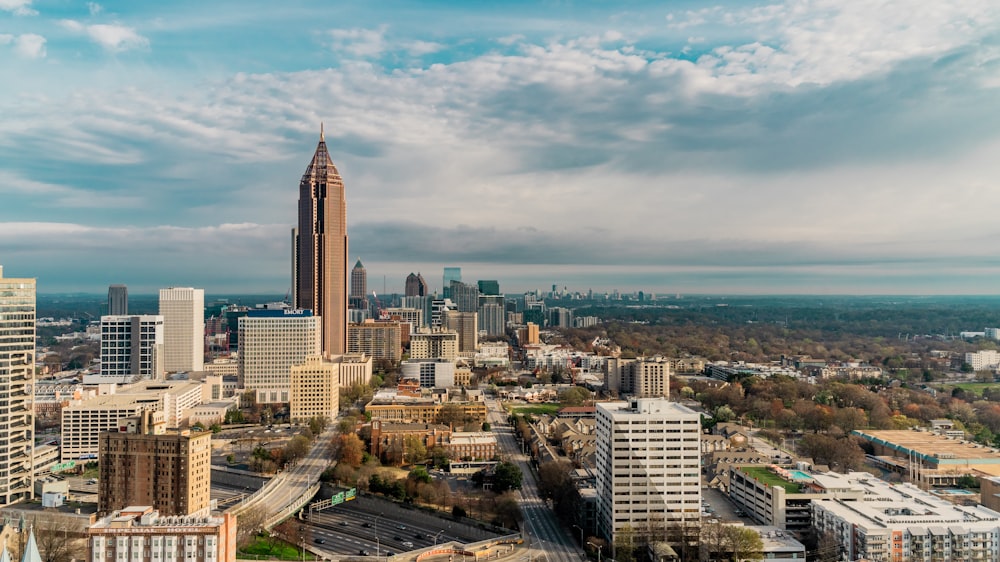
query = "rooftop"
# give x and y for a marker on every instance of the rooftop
(932, 448)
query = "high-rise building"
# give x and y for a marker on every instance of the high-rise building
(271, 341)
(183, 312)
(434, 343)
(141, 464)
(132, 347)
(489, 287)
(415, 285)
(450, 274)
(641, 378)
(379, 340)
(528, 335)
(359, 280)
(492, 314)
(648, 452)
(465, 324)
(17, 378)
(117, 300)
(432, 373)
(465, 297)
(319, 249)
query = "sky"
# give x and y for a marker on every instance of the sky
(806, 146)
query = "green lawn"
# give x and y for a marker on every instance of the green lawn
(973, 387)
(537, 409)
(762, 474)
(260, 549)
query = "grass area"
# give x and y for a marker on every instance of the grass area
(762, 474)
(973, 387)
(536, 409)
(262, 549)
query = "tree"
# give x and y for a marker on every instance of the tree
(351, 450)
(54, 541)
(317, 424)
(508, 512)
(744, 544)
(248, 524)
(574, 396)
(297, 448)
(420, 474)
(506, 476)
(450, 414)
(416, 450)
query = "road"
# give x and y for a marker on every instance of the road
(546, 537)
(282, 490)
(345, 530)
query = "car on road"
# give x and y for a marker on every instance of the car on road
(408, 544)
(397, 538)
(419, 536)
(319, 540)
(343, 523)
(366, 524)
(401, 527)
(364, 552)
(390, 553)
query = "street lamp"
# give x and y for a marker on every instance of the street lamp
(598, 550)
(437, 535)
(581, 534)
(378, 545)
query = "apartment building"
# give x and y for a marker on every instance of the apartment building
(434, 343)
(432, 373)
(648, 466)
(378, 340)
(642, 377)
(17, 377)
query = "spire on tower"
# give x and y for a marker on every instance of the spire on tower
(322, 137)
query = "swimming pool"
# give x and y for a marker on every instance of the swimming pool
(799, 475)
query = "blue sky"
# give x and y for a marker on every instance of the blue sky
(827, 146)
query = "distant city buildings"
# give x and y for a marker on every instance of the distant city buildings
(986, 360)
(359, 286)
(465, 325)
(416, 286)
(450, 274)
(17, 377)
(117, 300)
(642, 377)
(183, 312)
(319, 250)
(379, 340)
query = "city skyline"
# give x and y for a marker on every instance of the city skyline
(765, 148)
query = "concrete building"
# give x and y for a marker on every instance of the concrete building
(144, 465)
(986, 360)
(465, 324)
(416, 286)
(450, 274)
(132, 348)
(414, 317)
(117, 300)
(472, 445)
(642, 377)
(355, 368)
(17, 377)
(928, 459)
(84, 420)
(492, 315)
(390, 406)
(141, 534)
(434, 343)
(378, 340)
(315, 386)
(319, 249)
(779, 546)
(183, 312)
(465, 297)
(359, 280)
(432, 373)
(489, 287)
(560, 317)
(528, 335)
(648, 467)
(271, 341)
(900, 522)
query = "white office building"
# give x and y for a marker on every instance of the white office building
(271, 341)
(131, 348)
(986, 360)
(17, 377)
(648, 467)
(432, 373)
(183, 312)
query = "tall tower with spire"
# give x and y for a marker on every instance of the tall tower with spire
(359, 287)
(319, 249)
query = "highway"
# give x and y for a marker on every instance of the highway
(547, 539)
(346, 530)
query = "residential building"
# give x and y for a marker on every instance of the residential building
(465, 297)
(434, 343)
(84, 420)
(560, 317)
(379, 340)
(465, 324)
(648, 466)
(17, 377)
(528, 335)
(642, 377)
(117, 300)
(183, 312)
(413, 317)
(315, 386)
(492, 315)
(900, 522)
(132, 348)
(432, 373)
(390, 406)
(271, 341)
(319, 249)
(986, 360)
(141, 534)
(141, 464)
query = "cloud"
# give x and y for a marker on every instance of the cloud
(94, 8)
(359, 42)
(18, 7)
(112, 37)
(27, 45)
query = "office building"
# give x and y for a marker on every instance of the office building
(432, 373)
(17, 377)
(183, 312)
(132, 348)
(528, 335)
(141, 464)
(432, 343)
(141, 534)
(83, 420)
(359, 287)
(117, 300)
(355, 368)
(413, 317)
(489, 287)
(642, 378)
(648, 467)
(319, 249)
(315, 389)
(271, 341)
(560, 317)
(466, 325)
(465, 297)
(416, 286)
(450, 274)
(492, 314)
(378, 340)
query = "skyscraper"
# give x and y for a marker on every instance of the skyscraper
(415, 285)
(359, 280)
(183, 312)
(132, 347)
(17, 377)
(117, 300)
(489, 287)
(450, 274)
(319, 250)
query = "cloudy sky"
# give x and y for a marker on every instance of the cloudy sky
(819, 146)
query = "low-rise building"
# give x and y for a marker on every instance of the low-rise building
(390, 406)
(140, 534)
